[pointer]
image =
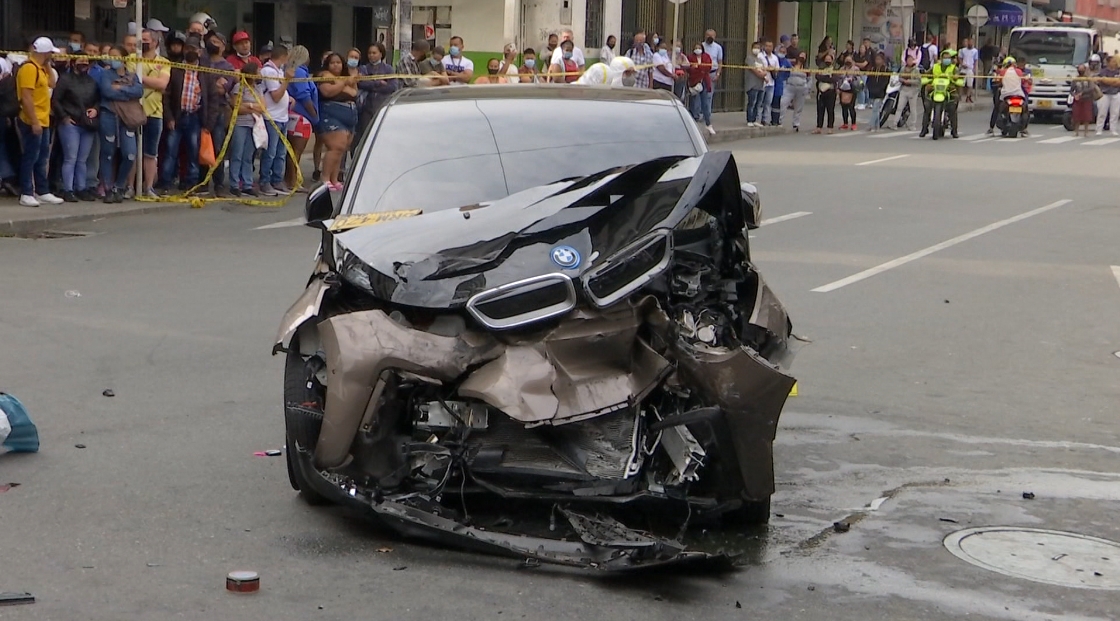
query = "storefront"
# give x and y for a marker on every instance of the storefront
(942, 19)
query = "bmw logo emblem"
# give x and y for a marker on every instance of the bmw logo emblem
(566, 257)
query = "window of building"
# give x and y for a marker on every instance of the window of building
(593, 29)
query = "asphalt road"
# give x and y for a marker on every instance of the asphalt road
(972, 363)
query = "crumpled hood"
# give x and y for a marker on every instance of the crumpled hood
(441, 259)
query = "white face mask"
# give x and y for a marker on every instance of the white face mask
(698, 51)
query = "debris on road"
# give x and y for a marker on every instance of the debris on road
(737, 604)
(17, 433)
(80, 446)
(268, 453)
(401, 568)
(1028, 495)
(73, 294)
(949, 520)
(243, 581)
(812, 588)
(841, 527)
(13, 599)
(384, 550)
(108, 392)
(7, 486)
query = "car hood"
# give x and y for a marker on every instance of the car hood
(441, 259)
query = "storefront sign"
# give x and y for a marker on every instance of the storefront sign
(1004, 15)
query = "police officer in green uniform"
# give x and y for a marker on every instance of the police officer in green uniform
(944, 74)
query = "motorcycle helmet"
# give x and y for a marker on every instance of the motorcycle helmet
(204, 19)
(949, 53)
(1010, 60)
(1095, 58)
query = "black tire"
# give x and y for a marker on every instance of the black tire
(751, 513)
(301, 427)
(1067, 121)
(938, 121)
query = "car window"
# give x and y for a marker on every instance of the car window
(444, 154)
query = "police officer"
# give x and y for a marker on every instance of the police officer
(946, 68)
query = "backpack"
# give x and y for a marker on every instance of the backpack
(9, 100)
(926, 62)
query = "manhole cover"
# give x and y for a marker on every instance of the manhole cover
(1047, 556)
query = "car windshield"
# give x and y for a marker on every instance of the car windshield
(441, 154)
(1049, 47)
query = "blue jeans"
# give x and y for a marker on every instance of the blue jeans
(861, 98)
(701, 106)
(274, 157)
(754, 96)
(876, 110)
(240, 154)
(76, 144)
(188, 129)
(33, 164)
(6, 169)
(763, 115)
(115, 135)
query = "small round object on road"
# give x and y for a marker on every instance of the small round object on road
(243, 581)
(1046, 556)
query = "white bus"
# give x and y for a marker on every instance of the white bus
(1052, 52)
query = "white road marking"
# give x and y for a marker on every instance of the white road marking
(984, 140)
(788, 216)
(892, 134)
(1058, 140)
(1101, 141)
(844, 133)
(885, 159)
(972, 137)
(283, 225)
(1116, 273)
(879, 269)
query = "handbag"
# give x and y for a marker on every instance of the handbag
(206, 150)
(697, 88)
(130, 113)
(260, 134)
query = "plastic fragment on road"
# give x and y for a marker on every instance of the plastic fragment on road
(7, 486)
(73, 294)
(268, 453)
(1028, 495)
(13, 599)
(17, 433)
(108, 392)
(243, 581)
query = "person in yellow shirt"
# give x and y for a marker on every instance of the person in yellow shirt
(34, 82)
(155, 78)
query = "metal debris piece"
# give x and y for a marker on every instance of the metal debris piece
(401, 568)
(737, 604)
(13, 599)
(949, 520)
(108, 392)
(384, 550)
(841, 527)
(79, 446)
(154, 565)
(1028, 495)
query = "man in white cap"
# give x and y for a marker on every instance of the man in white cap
(159, 31)
(34, 82)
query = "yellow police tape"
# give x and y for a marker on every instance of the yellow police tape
(245, 85)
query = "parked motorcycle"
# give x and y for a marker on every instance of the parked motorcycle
(1012, 119)
(890, 103)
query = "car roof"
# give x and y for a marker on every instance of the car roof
(532, 91)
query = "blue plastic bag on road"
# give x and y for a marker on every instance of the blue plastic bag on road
(17, 433)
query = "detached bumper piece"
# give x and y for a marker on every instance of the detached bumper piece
(605, 544)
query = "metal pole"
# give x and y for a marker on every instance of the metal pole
(139, 132)
(676, 18)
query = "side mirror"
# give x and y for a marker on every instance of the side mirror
(319, 207)
(752, 212)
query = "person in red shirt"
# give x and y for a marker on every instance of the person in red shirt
(700, 85)
(242, 51)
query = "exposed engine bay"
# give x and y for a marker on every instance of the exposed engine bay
(640, 365)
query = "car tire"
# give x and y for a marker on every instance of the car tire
(301, 427)
(750, 513)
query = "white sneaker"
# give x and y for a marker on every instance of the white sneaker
(711, 130)
(28, 201)
(861, 106)
(50, 198)
(752, 124)
(1115, 133)
(1099, 134)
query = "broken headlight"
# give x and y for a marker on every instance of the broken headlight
(629, 269)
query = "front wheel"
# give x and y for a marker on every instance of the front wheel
(938, 121)
(1067, 121)
(303, 417)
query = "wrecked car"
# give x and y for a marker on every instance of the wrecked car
(512, 312)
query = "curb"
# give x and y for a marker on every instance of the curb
(743, 133)
(48, 222)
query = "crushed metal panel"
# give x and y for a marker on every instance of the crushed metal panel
(685, 452)
(306, 306)
(751, 392)
(358, 346)
(519, 383)
(620, 555)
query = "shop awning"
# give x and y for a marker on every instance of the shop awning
(1006, 14)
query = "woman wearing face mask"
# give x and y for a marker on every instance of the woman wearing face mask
(376, 91)
(527, 74)
(826, 94)
(75, 103)
(337, 104)
(606, 53)
(824, 48)
(664, 73)
(508, 66)
(117, 84)
(569, 67)
(700, 85)
(848, 84)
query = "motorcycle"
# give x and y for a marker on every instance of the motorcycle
(940, 99)
(890, 103)
(1012, 118)
(1067, 116)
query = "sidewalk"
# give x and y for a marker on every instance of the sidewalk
(18, 220)
(732, 126)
